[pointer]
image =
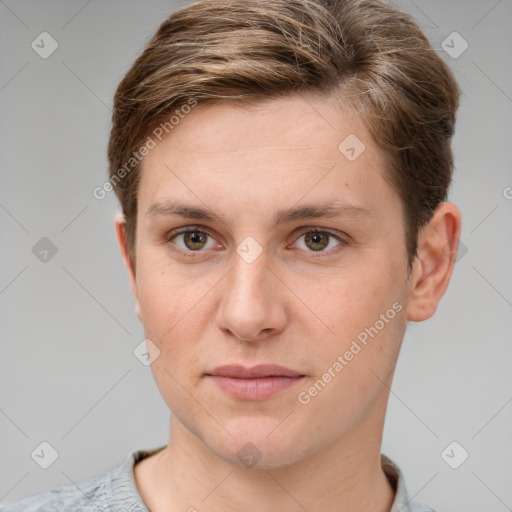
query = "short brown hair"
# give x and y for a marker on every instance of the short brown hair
(246, 51)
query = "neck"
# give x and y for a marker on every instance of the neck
(343, 475)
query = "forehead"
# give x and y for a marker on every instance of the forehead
(274, 152)
(305, 123)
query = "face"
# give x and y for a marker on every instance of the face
(261, 240)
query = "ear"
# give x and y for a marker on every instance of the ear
(120, 227)
(438, 243)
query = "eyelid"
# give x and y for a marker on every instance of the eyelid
(178, 231)
(317, 229)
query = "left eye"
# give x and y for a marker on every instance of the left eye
(319, 241)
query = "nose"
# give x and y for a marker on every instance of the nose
(252, 306)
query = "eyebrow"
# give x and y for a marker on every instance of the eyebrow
(337, 208)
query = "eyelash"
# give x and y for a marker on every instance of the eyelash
(199, 229)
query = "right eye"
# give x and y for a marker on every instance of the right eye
(191, 240)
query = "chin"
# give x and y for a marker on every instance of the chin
(257, 444)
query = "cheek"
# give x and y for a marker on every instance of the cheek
(164, 291)
(171, 317)
(163, 303)
(353, 299)
(176, 309)
(352, 375)
(366, 312)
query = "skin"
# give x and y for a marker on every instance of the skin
(292, 306)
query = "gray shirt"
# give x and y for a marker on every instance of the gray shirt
(116, 491)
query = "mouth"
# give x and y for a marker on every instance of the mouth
(255, 383)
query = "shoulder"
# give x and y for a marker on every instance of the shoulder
(114, 490)
(402, 502)
(419, 507)
(87, 496)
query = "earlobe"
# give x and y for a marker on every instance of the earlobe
(438, 243)
(120, 228)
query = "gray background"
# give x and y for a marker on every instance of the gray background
(67, 369)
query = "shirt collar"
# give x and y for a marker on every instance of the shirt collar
(122, 482)
(401, 503)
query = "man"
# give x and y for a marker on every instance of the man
(283, 168)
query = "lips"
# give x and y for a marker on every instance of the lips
(255, 383)
(254, 372)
